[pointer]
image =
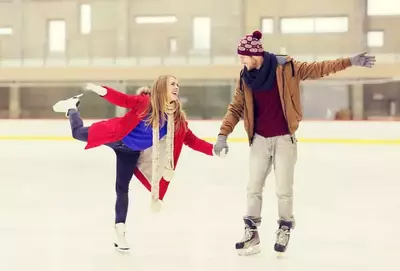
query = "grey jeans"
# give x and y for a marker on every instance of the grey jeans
(279, 153)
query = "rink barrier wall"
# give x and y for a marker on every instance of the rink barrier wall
(325, 132)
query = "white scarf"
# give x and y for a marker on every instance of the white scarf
(167, 170)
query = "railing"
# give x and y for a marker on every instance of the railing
(86, 51)
(62, 61)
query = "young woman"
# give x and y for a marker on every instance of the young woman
(147, 141)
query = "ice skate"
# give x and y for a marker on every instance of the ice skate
(120, 240)
(64, 106)
(249, 244)
(282, 237)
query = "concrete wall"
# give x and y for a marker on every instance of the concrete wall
(119, 49)
(323, 44)
(116, 34)
(114, 30)
(389, 25)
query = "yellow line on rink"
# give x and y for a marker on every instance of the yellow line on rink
(329, 141)
(36, 138)
(233, 140)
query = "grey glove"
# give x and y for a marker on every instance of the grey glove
(363, 60)
(220, 145)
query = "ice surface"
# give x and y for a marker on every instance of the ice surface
(57, 201)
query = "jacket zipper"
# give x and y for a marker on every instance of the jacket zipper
(284, 110)
(247, 117)
(284, 106)
(245, 108)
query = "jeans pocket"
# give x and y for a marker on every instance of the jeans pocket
(289, 139)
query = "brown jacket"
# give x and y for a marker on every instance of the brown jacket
(289, 74)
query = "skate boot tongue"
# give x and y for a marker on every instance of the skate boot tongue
(285, 228)
(251, 223)
(285, 225)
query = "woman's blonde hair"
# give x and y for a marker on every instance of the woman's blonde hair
(159, 104)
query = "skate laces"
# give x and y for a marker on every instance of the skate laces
(248, 234)
(282, 236)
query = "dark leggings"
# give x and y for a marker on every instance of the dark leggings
(126, 163)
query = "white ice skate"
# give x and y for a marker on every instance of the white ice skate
(64, 106)
(282, 238)
(250, 243)
(120, 241)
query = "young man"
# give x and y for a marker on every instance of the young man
(268, 98)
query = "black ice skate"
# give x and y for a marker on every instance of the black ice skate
(250, 242)
(282, 236)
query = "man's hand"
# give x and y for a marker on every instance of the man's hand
(363, 60)
(220, 145)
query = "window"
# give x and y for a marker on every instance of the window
(297, 25)
(331, 25)
(283, 51)
(314, 25)
(202, 33)
(375, 38)
(383, 7)
(156, 19)
(5, 31)
(267, 26)
(173, 46)
(57, 36)
(86, 19)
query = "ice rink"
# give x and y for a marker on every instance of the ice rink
(57, 204)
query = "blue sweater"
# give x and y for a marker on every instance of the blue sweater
(141, 137)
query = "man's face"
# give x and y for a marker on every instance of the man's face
(249, 61)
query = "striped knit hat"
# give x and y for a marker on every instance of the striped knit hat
(250, 45)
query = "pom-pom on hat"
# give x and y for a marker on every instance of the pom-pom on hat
(250, 45)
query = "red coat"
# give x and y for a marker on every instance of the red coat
(116, 129)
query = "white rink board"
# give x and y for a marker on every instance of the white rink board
(209, 129)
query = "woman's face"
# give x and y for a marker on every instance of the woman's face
(172, 89)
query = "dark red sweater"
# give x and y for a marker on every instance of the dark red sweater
(269, 119)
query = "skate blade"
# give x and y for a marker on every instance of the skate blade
(280, 255)
(77, 96)
(249, 251)
(122, 250)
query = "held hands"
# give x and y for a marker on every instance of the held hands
(363, 60)
(97, 89)
(221, 146)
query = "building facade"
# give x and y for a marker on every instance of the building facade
(50, 48)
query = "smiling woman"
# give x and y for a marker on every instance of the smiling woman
(147, 141)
